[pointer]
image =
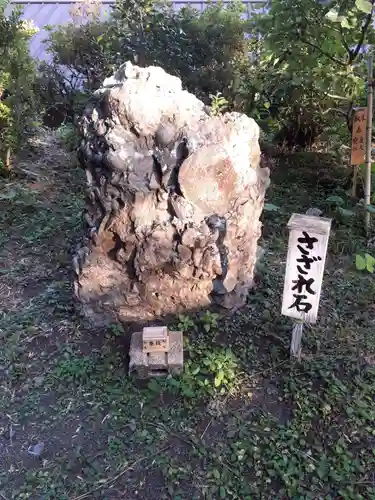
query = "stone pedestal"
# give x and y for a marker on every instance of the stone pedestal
(156, 364)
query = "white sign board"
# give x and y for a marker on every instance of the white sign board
(307, 249)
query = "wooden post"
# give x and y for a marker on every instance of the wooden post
(8, 164)
(295, 345)
(370, 91)
(307, 250)
(354, 181)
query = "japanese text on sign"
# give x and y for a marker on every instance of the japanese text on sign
(303, 285)
(359, 136)
(155, 339)
(155, 343)
(305, 266)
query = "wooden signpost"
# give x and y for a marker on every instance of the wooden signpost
(307, 249)
(362, 142)
(357, 156)
(358, 151)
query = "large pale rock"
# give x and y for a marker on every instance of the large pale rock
(173, 201)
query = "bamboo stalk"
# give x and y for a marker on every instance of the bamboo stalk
(354, 182)
(370, 91)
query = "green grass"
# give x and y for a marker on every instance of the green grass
(242, 422)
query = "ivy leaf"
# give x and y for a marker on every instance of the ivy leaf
(195, 371)
(219, 378)
(332, 15)
(187, 392)
(222, 492)
(173, 382)
(216, 474)
(345, 213)
(344, 22)
(10, 195)
(364, 6)
(154, 386)
(270, 207)
(360, 262)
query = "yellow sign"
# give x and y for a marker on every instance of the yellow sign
(359, 136)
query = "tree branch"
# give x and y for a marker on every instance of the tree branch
(346, 46)
(353, 53)
(336, 110)
(332, 58)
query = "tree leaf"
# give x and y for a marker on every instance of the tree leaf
(216, 474)
(219, 378)
(364, 6)
(270, 207)
(173, 382)
(187, 391)
(345, 213)
(332, 15)
(154, 386)
(222, 492)
(370, 208)
(360, 262)
(344, 22)
(10, 195)
(337, 200)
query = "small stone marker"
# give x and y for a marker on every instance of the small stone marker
(148, 359)
(155, 339)
(307, 249)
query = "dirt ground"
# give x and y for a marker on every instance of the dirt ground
(73, 425)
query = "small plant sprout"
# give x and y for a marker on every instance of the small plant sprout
(185, 323)
(116, 329)
(218, 104)
(365, 262)
(270, 207)
(337, 204)
(209, 321)
(210, 374)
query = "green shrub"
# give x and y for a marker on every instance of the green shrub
(68, 135)
(17, 72)
(298, 69)
(312, 69)
(208, 51)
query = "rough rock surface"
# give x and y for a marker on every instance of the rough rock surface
(174, 197)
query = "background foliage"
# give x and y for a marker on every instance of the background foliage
(314, 54)
(299, 69)
(17, 71)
